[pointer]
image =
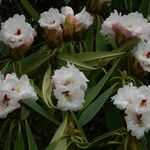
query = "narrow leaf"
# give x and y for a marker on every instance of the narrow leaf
(59, 138)
(8, 140)
(39, 109)
(112, 116)
(30, 9)
(74, 60)
(94, 107)
(31, 142)
(90, 56)
(19, 143)
(89, 38)
(100, 41)
(95, 90)
(47, 88)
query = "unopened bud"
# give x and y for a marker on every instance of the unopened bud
(53, 37)
(68, 28)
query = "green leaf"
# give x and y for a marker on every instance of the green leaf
(47, 88)
(4, 128)
(111, 40)
(89, 38)
(127, 46)
(117, 6)
(145, 7)
(39, 109)
(95, 90)
(94, 107)
(148, 139)
(31, 142)
(5, 68)
(142, 143)
(67, 1)
(112, 116)
(59, 138)
(79, 127)
(3, 49)
(128, 4)
(19, 143)
(7, 143)
(100, 138)
(36, 59)
(74, 60)
(30, 9)
(100, 40)
(33, 61)
(90, 56)
(24, 113)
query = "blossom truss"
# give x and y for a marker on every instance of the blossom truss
(16, 32)
(69, 87)
(131, 25)
(52, 19)
(136, 104)
(142, 54)
(13, 90)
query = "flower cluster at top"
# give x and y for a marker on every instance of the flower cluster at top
(12, 91)
(69, 88)
(18, 34)
(136, 104)
(53, 19)
(128, 26)
(15, 32)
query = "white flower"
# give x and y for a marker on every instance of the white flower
(137, 123)
(84, 18)
(133, 25)
(142, 54)
(20, 89)
(107, 26)
(52, 19)
(125, 96)
(69, 75)
(66, 11)
(69, 88)
(15, 32)
(70, 97)
(12, 90)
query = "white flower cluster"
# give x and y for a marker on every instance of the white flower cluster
(128, 26)
(13, 90)
(136, 104)
(16, 33)
(53, 19)
(69, 88)
(131, 25)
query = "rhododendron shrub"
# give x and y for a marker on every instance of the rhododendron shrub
(74, 75)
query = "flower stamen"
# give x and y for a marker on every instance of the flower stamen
(18, 32)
